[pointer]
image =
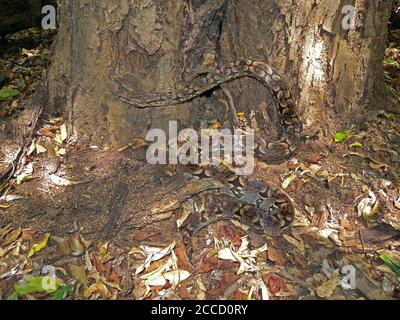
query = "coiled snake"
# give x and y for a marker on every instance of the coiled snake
(263, 208)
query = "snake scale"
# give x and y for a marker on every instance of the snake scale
(258, 205)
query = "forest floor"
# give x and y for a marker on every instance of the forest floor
(102, 223)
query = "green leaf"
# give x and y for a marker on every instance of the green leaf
(391, 116)
(389, 60)
(342, 136)
(8, 92)
(356, 145)
(37, 247)
(62, 292)
(394, 267)
(38, 284)
(13, 296)
(389, 88)
(250, 293)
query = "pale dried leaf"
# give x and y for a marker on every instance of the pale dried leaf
(328, 288)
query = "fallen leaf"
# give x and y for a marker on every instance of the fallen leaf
(37, 247)
(78, 273)
(250, 293)
(62, 245)
(13, 296)
(137, 143)
(288, 180)
(12, 237)
(184, 292)
(328, 288)
(104, 255)
(356, 145)
(393, 266)
(63, 132)
(213, 263)
(276, 255)
(62, 182)
(77, 248)
(46, 132)
(315, 159)
(5, 230)
(37, 284)
(115, 278)
(97, 264)
(342, 136)
(245, 256)
(183, 260)
(264, 291)
(176, 276)
(8, 92)
(152, 254)
(297, 243)
(11, 197)
(274, 283)
(62, 292)
(40, 149)
(141, 289)
(97, 288)
(368, 206)
(26, 171)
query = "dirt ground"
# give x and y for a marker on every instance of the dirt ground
(106, 221)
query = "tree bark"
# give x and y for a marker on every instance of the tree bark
(16, 15)
(157, 45)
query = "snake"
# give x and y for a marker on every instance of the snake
(257, 205)
(263, 208)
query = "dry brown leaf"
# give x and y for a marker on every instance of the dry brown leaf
(27, 234)
(183, 260)
(297, 243)
(276, 255)
(115, 278)
(97, 264)
(274, 283)
(13, 236)
(77, 248)
(99, 288)
(328, 288)
(79, 273)
(5, 230)
(368, 206)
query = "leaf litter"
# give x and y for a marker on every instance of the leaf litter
(345, 201)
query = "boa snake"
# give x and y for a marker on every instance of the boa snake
(263, 208)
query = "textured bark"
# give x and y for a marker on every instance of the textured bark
(16, 15)
(158, 45)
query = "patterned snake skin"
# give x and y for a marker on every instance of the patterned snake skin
(275, 151)
(258, 205)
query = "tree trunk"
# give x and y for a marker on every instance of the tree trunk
(104, 47)
(16, 15)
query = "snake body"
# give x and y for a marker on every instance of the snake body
(266, 209)
(259, 206)
(274, 151)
